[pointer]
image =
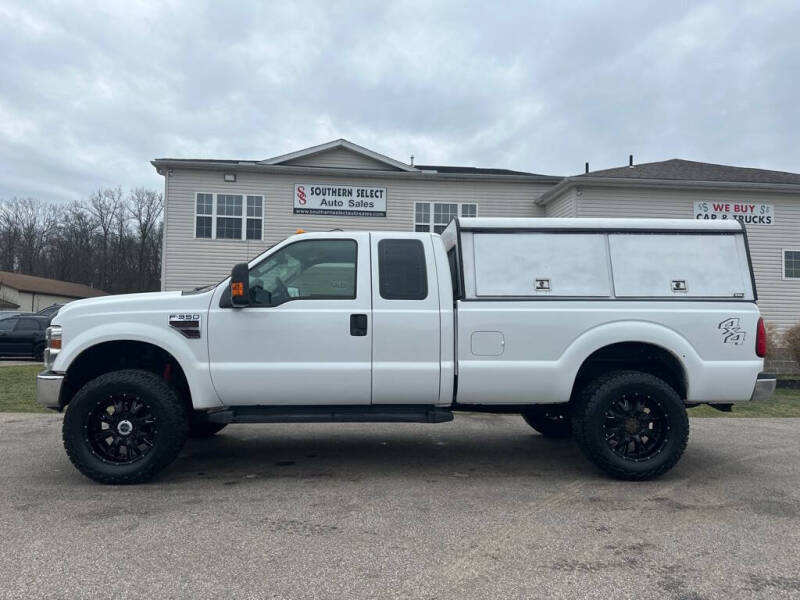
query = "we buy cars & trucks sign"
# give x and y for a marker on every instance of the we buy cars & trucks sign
(755, 214)
(339, 200)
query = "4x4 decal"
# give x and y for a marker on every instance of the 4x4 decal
(731, 331)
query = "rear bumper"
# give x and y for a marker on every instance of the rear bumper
(765, 387)
(48, 389)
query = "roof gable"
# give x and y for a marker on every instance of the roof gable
(339, 154)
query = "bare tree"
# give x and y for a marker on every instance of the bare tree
(110, 241)
(105, 206)
(145, 208)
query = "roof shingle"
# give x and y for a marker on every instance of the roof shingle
(688, 170)
(42, 285)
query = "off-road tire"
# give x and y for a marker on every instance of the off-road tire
(589, 416)
(171, 426)
(551, 421)
(204, 429)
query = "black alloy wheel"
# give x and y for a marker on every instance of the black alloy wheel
(121, 429)
(631, 424)
(636, 426)
(124, 427)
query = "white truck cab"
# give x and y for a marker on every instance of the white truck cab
(602, 329)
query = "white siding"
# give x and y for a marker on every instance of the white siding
(563, 206)
(191, 262)
(779, 299)
(340, 158)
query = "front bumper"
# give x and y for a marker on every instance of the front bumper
(48, 389)
(765, 387)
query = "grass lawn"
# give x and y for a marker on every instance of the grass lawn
(785, 403)
(18, 389)
(18, 394)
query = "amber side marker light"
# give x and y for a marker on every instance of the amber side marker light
(237, 288)
(55, 343)
(300, 231)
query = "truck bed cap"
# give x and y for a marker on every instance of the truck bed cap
(484, 223)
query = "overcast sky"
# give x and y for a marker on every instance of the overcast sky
(90, 94)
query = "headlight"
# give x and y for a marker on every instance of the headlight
(52, 337)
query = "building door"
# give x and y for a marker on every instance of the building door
(306, 338)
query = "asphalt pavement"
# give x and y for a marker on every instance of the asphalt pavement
(478, 508)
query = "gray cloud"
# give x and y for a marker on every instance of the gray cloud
(90, 93)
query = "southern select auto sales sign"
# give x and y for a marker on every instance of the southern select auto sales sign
(750, 214)
(339, 200)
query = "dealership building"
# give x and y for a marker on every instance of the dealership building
(220, 212)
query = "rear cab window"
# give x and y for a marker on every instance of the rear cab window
(402, 270)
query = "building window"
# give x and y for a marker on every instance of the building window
(204, 218)
(791, 264)
(254, 217)
(441, 214)
(422, 216)
(229, 217)
(226, 217)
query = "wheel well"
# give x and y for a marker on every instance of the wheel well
(124, 354)
(637, 356)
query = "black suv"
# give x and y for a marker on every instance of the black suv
(23, 336)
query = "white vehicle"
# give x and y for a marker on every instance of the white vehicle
(604, 329)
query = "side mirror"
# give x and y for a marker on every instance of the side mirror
(240, 285)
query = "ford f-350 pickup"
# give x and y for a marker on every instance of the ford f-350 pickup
(601, 329)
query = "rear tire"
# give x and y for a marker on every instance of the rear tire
(38, 352)
(124, 427)
(551, 421)
(632, 425)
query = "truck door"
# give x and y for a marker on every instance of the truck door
(405, 320)
(306, 338)
(6, 329)
(22, 338)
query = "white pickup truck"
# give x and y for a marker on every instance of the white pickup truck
(602, 329)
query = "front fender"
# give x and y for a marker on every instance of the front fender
(191, 355)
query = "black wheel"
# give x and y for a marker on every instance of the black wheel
(38, 352)
(632, 425)
(124, 427)
(204, 429)
(551, 421)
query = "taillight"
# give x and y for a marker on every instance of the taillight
(761, 339)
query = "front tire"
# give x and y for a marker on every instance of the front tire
(38, 352)
(551, 421)
(124, 427)
(632, 425)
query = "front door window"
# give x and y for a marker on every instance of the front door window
(306, 270)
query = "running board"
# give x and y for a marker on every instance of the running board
(332, 414)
